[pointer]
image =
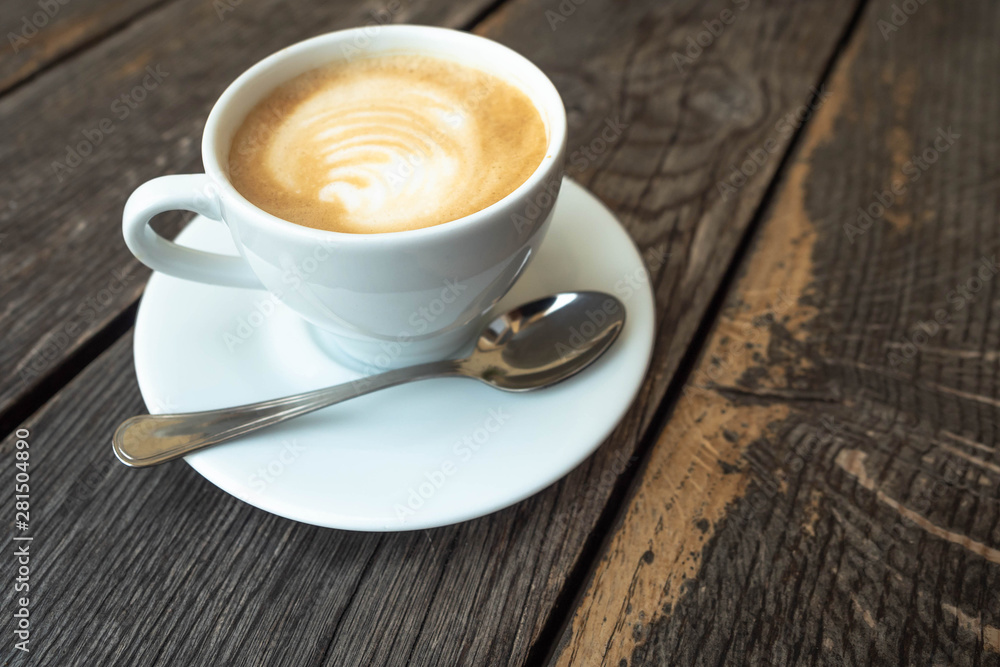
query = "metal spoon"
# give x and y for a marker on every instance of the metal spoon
(530, 347)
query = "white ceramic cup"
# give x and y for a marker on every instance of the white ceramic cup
(388, 299)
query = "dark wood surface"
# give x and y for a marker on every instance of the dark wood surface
(827, 489)
(38, 35)
(769, 504)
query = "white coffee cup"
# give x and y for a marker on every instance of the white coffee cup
(388, 299)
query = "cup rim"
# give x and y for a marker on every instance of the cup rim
(552, 107)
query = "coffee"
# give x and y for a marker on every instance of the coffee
(386, 144)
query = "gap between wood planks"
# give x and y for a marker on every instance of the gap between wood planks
(86, 45)
(63, 373)
(126, 23)
(567, 601)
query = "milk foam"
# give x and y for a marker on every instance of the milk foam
(386, 144)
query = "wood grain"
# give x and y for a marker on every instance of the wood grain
(827, 489)
(223, 582)
(37, 33)
(86, 134)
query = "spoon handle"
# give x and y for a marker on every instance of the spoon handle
(148, 440)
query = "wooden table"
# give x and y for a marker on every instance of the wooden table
(810, 474)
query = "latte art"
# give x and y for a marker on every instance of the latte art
(386, 144)
(381, 165)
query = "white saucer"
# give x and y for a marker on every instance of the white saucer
(421, 455)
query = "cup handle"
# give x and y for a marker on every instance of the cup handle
(185, 192)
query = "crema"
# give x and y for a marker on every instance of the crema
(386, 144)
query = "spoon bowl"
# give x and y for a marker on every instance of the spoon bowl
(545, 341)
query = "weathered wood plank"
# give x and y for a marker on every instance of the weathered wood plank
(87, 133)
(482, 592)
(37, 32)
(827, 490)
(227, 581)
